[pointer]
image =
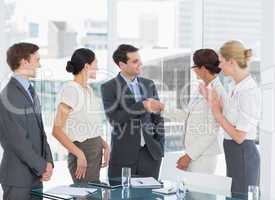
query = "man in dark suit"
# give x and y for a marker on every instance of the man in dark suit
(133, 109)
(27, 158)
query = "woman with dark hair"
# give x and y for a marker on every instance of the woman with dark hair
(202, 138)
(78, 123)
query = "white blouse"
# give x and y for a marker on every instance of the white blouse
(243, 107)
(86, 118)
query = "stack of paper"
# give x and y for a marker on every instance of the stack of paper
(168, 188)
(71, 191)
(148, 182)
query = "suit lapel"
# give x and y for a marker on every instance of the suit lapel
(141, 88)
(22, 90)
(26, 95)
(125, 90)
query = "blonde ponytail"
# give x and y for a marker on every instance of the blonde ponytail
(235, 50)
(248, 54)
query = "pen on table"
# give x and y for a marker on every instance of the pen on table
(170, 189)
(90, 193)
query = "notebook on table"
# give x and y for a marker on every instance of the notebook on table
(168, 187)
(171, 190)
(147, 182)
(110, 184)
(68, 192)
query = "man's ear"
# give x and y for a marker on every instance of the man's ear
(23, 62)
(121, 64)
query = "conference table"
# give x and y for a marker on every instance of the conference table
(136, 194)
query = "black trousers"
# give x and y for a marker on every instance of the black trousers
(20, 193)
(243, 164)
(145, 166)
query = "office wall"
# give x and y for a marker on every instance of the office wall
(2, 45)
(267, 136)
(1, 49)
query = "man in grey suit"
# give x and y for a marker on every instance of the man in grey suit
(27, 158)
(132, 107)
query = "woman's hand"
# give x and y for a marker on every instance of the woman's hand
(81, 166)
(183, 162)
(215, 102)
(106, 153)
(213, 99)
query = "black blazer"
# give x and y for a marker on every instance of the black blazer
(128, 118)
(22, 136)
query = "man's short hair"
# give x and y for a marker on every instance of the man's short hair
(120, 54)
(20, 51)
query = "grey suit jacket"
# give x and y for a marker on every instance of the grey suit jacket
(22, 136)
(128, 118)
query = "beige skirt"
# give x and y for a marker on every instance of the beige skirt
(92, 149)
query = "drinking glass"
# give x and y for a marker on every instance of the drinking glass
(253, 192)
(126, 177)
(181, 190)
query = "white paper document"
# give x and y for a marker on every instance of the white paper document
(71, 191)
(168, 188)
(148, 182)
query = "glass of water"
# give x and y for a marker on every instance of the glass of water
(126, 177)
(181, 190)
(253, 192)
(125, 193)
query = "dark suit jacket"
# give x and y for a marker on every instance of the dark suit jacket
(22, 136)
(128, 117)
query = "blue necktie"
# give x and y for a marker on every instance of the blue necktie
(135, 91)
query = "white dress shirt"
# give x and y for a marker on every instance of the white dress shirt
(135, 89)
(24, 82)
(243, 107)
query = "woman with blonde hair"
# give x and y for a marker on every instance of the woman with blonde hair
(78, 124)
(238, 116)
